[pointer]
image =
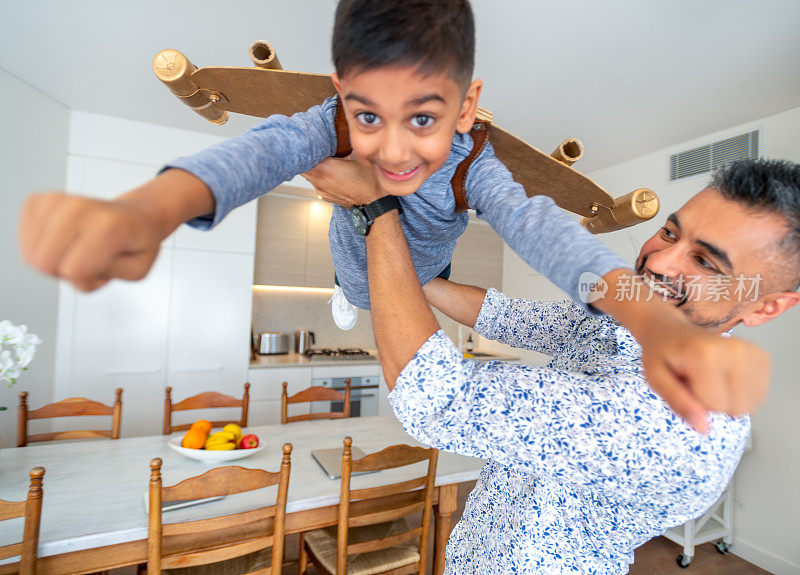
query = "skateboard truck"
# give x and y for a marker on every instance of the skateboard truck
(267, 89)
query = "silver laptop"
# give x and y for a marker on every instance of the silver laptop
(330, 460)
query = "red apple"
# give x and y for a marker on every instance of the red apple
(248, 441)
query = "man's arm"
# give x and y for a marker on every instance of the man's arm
(542, 326)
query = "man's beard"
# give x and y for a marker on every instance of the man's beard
(692, 314)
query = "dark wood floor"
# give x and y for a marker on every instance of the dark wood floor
(657, 557)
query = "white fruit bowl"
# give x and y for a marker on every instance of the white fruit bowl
(212, 456)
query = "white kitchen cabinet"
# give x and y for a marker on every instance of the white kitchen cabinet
(266, 386)
(187, 324)
(209, 322)
(117, 337)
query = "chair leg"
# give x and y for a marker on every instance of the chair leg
(302, 556)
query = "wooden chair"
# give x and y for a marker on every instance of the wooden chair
(217, 539)
(31, 510)
(372, 535)
(206, 400)
(315, 393)
(71, 407)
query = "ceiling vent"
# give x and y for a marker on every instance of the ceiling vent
(709, 157)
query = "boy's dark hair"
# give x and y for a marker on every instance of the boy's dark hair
(771, 186)
(433, 35)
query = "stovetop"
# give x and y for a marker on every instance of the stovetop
(342, 353)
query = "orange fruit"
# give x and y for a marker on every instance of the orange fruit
(194, 439)
(202, 425)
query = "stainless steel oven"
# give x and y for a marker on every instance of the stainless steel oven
(363, 394)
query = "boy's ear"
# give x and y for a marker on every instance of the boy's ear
(335, 79)
(469, 107)
(771, 306)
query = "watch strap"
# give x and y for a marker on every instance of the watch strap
(381, 206)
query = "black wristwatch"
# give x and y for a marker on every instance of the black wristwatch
(364, 215)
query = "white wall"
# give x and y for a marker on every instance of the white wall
(767, 527)
(33, 146)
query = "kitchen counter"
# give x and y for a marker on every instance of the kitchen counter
(299, 360)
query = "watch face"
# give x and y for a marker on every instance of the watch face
(359, 221)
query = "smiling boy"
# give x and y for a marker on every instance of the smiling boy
(403, 77)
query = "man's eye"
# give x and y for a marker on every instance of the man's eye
(368, 118)
(705, 264)
(421, 121)
(667, 233)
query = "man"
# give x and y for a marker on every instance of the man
(585, 462)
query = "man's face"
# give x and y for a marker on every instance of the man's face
(402, 122)
(713, 258)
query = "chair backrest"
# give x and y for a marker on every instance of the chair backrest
(385, 503)
(31, 510)
(206, 400)
(254, 530)
(315, 393)
(71, 407)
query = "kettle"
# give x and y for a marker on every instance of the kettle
(303, 339)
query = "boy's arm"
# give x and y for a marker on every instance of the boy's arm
(88, 241)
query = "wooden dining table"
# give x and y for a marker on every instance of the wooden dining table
(94, 516)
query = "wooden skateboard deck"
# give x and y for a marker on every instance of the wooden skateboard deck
(262, 92)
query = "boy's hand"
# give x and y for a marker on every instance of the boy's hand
(695, 370)
(347, 182)
(87, 241)
(692, 368)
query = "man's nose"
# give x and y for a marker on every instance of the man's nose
(395, 150)
(666, 262)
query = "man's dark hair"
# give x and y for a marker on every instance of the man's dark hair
(432, 35)
(771, 186)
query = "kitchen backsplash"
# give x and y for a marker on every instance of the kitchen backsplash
(275, 310)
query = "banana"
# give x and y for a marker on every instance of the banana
(229, 436)
(235, 429)
(220, 446)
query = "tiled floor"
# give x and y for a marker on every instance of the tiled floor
(657, 557)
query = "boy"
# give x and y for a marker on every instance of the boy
(403, 71)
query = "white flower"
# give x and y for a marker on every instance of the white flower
(17, 348)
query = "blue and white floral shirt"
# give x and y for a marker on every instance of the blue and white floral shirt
(585, 462)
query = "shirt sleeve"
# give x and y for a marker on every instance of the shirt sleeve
(543, 326)
(541, 233)
(279, 148)
(605, 432)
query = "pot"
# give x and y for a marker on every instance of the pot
(303, 339)
(273, 343)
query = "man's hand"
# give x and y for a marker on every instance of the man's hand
(88, 241)
(692, 368)
(347, 182)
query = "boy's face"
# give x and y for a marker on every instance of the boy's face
(402, 122)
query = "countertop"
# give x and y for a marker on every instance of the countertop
(299, 360)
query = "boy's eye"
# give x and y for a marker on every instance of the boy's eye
(421, 121)
(368, 118)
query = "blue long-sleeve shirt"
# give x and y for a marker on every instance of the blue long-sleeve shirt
(544, 236)
(585, 462)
